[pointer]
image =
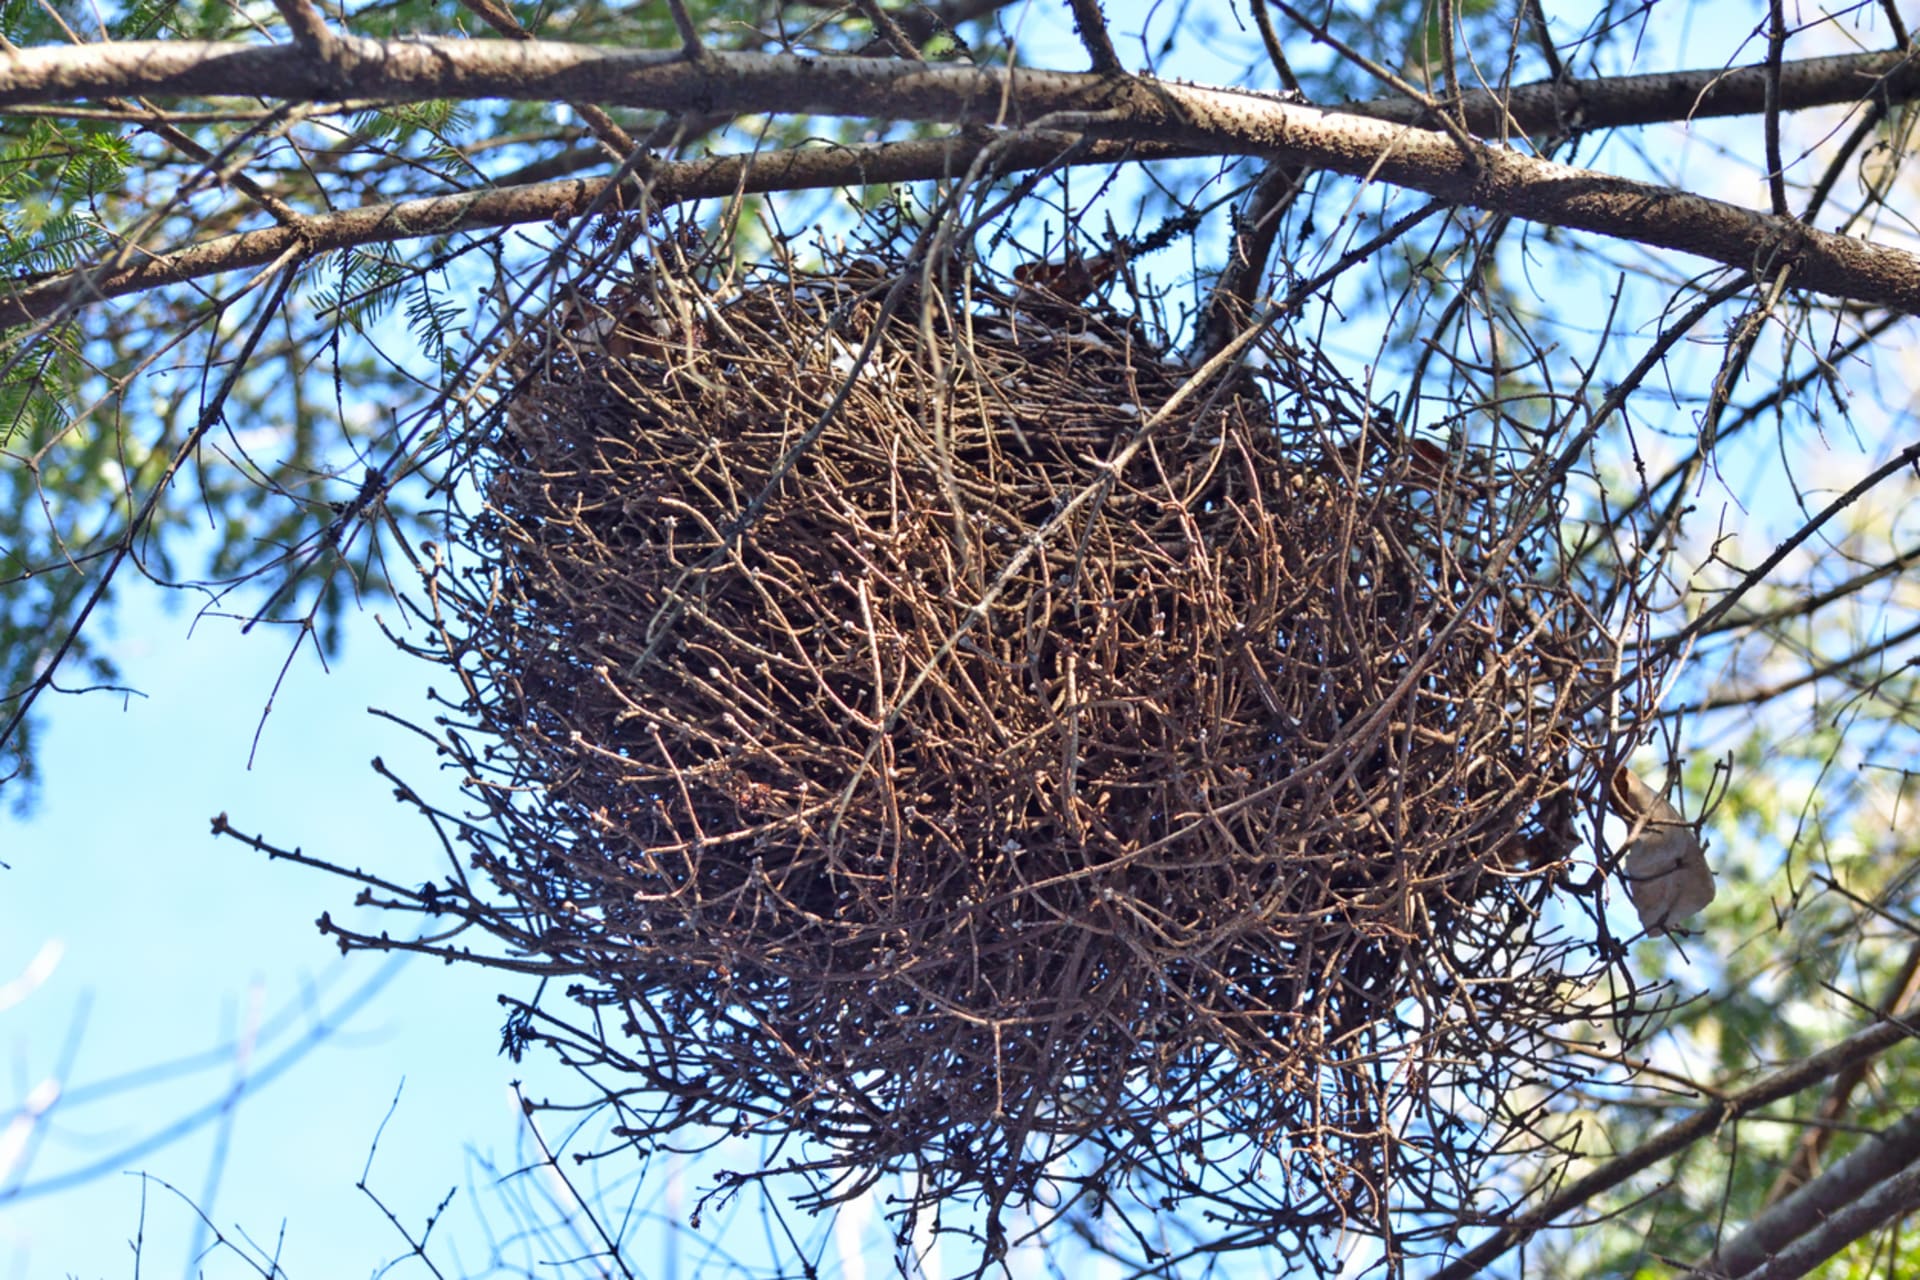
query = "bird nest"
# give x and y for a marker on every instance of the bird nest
(925, 718)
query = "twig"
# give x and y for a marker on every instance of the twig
(1091, 25)
(1770, 113)
(1437, 114)
(1759, 573)
(282, 269)
(604, 127)
(888, 30)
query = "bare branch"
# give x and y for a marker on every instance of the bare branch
(308, 27)
(1754, 577)
(889, 32)
(281, 273)
(1770, 115)
(1211, 121)
(1896, 24)
(1432, 112)
(604, 127)
(798, 169)
(1091, 24)
(1879, 1178)
(1232, 301)
(694, 48)
(1717, 1111)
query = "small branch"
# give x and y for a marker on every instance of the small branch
(1898, 24)
(604, 127)
(1770, 114)
(161, 127)
(1231, 304)
(1806, 605)
(1907, 457)
(1263, 19)
(326, 52)
(308, 27)
(671, 183)
(1435, 115)
(1449, 65)
(888, 30)
(280, 272)
(1537, 19)
(922, 22)
(322, 1025)
(691, 46)
(1752, 698)
(1091, 24)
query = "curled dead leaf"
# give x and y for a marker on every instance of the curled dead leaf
(1665, 868)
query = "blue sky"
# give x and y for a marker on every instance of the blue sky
(172, 947)
(172, 943)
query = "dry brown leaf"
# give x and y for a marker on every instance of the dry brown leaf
(1665, 868)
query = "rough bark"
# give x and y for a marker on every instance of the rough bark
(1364, 141)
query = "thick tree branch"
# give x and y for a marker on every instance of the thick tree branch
(1897, 1197)
(1877, 1179)
(1212, 121)
(668, 183)
(1719, 1110)
(421, 68)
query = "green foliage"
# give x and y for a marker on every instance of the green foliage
(367, 284)
(47, 177)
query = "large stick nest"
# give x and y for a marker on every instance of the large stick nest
(930, 720)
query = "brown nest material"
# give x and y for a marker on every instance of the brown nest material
(936, 724)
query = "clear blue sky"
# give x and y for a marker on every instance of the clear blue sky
(173, 943)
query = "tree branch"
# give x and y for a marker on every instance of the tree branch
(602, 125)
(1857, 1194)
(1521, 1227)
(1804, 1213)
(1206, 120)
(1804, 1164)
(420, 68)
(1897, 1196)
(1091, 24)
(668, 183)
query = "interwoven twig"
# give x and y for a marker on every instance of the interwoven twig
(945, 756)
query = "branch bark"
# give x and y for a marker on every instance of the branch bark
(1824, 1216)
(1375, 140)
(667, 183)
(420, 68)
(1721, 1109)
